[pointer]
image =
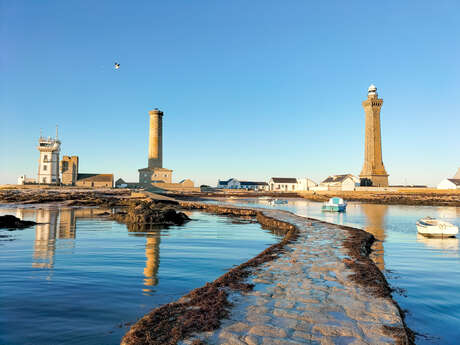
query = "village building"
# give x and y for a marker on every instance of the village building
(254, 185)
(282, 184)
(305, 184)
(95, 180)
(69, 170)
(120, 183)
(344, 182)
(48, 163)
(72, 177)
(231, 183)
(449, 183)
(23, 179)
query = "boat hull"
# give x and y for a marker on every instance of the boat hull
(334, 208)
(436, 231)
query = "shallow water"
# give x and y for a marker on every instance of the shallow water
(78, 279)
(426, 270)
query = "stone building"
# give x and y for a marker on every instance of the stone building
(48, 164)
(373, 168)
(72, 177)
(69, 170)
(95, 180)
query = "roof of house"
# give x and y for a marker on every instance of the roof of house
(95, 177)
(337, 178)
(457, 175)
(223, 182)
(455, 181)
(284, 179)
(253, 183)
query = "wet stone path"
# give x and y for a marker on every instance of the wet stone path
(306, 297)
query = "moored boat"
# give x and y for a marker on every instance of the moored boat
(278, 201)
(334, 204)
(432, 227)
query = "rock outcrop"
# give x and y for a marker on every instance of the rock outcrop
(11, 222)
(151, 213)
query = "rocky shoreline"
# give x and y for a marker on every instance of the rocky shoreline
(270, 299)
(411, 198)
(285, 295)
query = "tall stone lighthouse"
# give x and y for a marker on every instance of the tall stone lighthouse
(373, 168)
(155, 173)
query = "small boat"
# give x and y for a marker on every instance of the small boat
(432, 227)
(334, 205)
(278, 201)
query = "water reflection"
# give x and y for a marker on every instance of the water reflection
(450, 243)
(152, 253)
(375, 224)
(59, 224)
(45, 238)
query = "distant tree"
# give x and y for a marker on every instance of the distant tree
(365, 182)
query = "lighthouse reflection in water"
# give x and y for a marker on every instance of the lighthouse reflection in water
(80, 277)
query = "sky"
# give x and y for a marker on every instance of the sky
(249, 89)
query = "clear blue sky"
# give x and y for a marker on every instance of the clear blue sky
(250, 89)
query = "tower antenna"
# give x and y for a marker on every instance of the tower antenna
(41, 133)
(56, 132)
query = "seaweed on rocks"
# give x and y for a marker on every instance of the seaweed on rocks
(367, 274)
(151, 213)
(203, 308)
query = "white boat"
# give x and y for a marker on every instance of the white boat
(334, 205)
(278, 201)
(432, 227)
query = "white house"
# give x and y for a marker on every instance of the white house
(25, 180)
(449, 183)
(252, 185)
(304, 184)
(232, 183)
(340, 182)
(282, 184)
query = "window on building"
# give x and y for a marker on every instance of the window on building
(45, 167)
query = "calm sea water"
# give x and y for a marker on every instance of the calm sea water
(427, 270)
(78, 279)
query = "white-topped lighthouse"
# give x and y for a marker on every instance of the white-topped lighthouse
(48, 164)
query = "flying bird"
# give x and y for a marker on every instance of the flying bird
(117, 65)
